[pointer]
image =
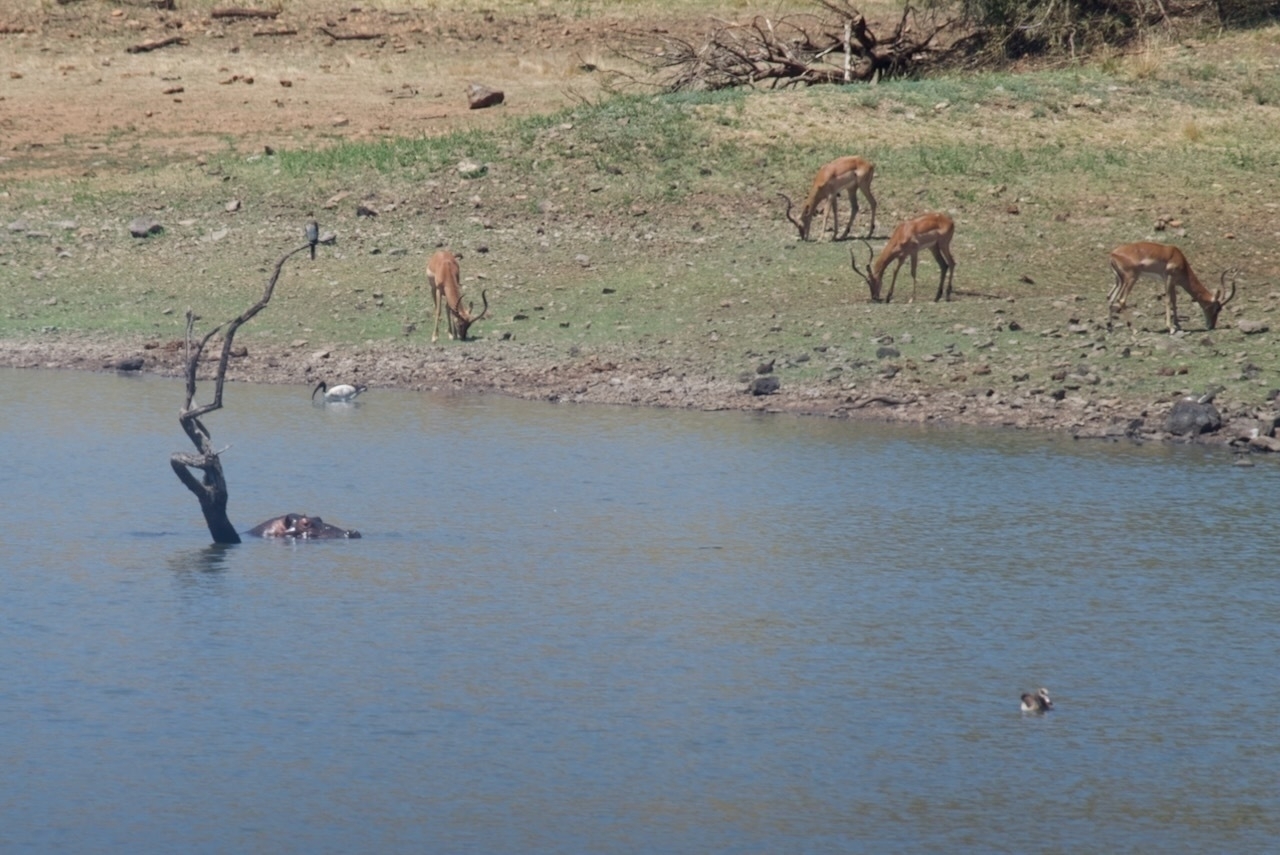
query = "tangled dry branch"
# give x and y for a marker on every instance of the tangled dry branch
(833, 45)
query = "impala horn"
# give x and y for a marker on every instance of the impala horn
(1223, 286)
(794, 221)
(464, 322)
(484, 298)
(853, 262)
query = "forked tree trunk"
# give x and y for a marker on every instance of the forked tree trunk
(211, 487)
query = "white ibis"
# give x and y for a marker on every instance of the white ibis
(342, 394)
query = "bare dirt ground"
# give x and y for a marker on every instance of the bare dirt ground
(84, 82)
(83, 72)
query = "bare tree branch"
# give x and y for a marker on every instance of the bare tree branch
(211, 488)
(834, 45)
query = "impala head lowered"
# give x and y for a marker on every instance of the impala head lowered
(844, 174)
(446, 291)
(928, 231)
(1131, 261)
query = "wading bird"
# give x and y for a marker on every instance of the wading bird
(342, 394)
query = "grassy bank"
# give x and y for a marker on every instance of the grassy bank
(653, 222)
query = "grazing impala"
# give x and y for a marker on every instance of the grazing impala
(1144, 258)
(442, 275)
(929, 231)
(843, 174)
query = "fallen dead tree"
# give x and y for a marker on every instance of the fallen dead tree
(833, 45)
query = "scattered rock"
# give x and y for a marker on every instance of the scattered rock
(764, 385)
(1192, 418)
(1265, 443)
(141, 227)
(1252, 327)
(1246, 429)
(480, 96)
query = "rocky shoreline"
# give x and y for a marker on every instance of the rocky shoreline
(639, 379)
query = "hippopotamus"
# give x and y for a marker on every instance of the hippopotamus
(301, 526)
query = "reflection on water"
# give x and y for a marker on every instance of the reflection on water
(591, 629)
(207, 560)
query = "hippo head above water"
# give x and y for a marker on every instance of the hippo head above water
(302, 527)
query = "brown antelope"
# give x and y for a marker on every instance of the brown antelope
(442, 275)
(843, 174)
(929, 231)
(1133, 260)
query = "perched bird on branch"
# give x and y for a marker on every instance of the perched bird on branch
(313, 236)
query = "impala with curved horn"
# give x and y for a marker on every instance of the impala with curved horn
(929, 231)
(1134, 260)
(443, 277)
(851, 174)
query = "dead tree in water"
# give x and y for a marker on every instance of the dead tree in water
(211, 488)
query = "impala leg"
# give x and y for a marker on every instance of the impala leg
(1171, 305)
(1114, 293)
(853, 210)
(915, 262)
(943, 266)
(435, 298)
(1119, 292)
(871, 201)
(893, 281)
(833, 213)
(1125, 290)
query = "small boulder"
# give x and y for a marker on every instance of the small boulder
(1246, 429)
(480, 96)
(766, 385)
(141, 227)
(1265, 443)
(1189, 417)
